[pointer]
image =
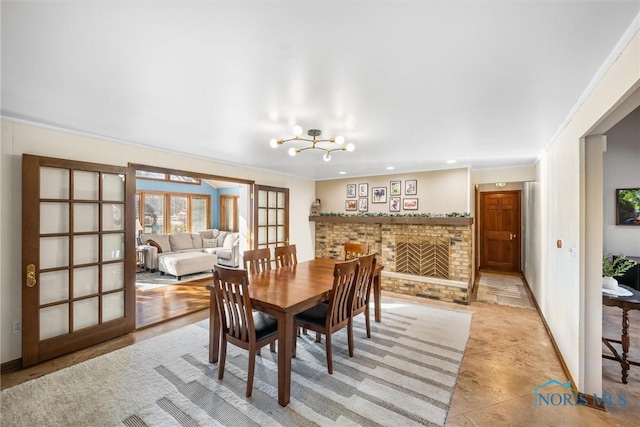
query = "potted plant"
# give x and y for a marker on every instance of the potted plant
(614, 266)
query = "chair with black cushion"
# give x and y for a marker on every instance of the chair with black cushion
(354, 250)
(257, 260)
(362, 289)
(329, 318)
(241, 326)
(285, 255)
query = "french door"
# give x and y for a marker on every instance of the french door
(271, 221)
(78, 257)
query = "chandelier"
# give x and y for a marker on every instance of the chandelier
(327, 145)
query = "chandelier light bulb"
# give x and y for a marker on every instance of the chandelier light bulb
(274, 143)
(350, 147)
(339, 139)
(297, 130)
(326, 157)
(292, 151)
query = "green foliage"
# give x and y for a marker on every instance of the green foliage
(414, 215)
(632, 197)
(615, 267)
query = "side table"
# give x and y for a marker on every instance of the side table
(141, 265)
(631, 302)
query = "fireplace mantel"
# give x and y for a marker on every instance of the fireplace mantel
(421, 220)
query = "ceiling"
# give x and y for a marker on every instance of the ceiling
(411, 83)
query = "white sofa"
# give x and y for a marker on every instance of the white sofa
(224, 245)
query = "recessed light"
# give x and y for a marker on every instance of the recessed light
(342, 172)
(390, 168)
(451, 161)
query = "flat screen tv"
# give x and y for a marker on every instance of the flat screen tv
(628, 206)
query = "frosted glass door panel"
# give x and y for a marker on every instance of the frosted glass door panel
(54, 217)
(280, 216)
(54, 286)
(54, 321)
(112, 276)
(85, 281)
(272, 234)
(272, 198)
(113, 187)
(54, 252)
(262, 236)
(280, 200)
(280, 233)
(54, 183)
(85, 249)
(262, 199)
(262, 217)
(85, 185)
(112, 246)
(272, 216)
(85, 313)
(112, 306)
(85, 217)
(112, 217)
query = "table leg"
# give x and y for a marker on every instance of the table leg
(625, 344)
(285, 349)
(214, 329)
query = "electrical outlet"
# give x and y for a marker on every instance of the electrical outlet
(17, 326)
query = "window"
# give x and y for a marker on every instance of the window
(173, 212)
(167, 177)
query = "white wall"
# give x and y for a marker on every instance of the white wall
(19, 138)
(557, 276)
(439, 192)
(621, 170)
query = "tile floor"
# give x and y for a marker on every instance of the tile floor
(507, 356)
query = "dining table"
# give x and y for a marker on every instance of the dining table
(282, 293)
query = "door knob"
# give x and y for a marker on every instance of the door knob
(31, 275)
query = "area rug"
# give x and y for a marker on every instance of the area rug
(146, 280)
(404, 375)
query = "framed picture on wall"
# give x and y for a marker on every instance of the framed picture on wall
(363, 190)
(411, 187)
(351, 205)
(628, 206)
(351, 191)
(395, 188)
(363, 205)
(410, 204)
(394, 204)
(378, 194)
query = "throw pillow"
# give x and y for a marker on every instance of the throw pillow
(230, 240)
(221, 237)
(155, 245)
(210, 243)
(197, 240)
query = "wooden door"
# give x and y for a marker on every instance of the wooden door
(500, 231)
(271, 221)
(78, 255)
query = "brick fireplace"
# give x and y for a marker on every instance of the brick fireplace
(427, 257)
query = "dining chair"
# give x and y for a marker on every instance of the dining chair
(329, 318)
(354, 250)
(285, 255)
(362, 289)
(257, 260)
(241, 326)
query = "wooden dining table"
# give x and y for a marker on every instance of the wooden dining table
(282, 293)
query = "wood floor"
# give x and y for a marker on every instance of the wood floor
(508, 354)
(169, 302)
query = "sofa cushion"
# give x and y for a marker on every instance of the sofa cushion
(221, 237)
(223, 253)
(197, 240)
(180, 241)
(230, 240)
(162, 240)
(210, 243)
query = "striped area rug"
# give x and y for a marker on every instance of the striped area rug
(404, 375)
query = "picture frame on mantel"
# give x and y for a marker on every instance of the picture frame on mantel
(395, 188)
(351, 205)
(378, 194)
(363, 205)
(363, 190)
(351, 191)
(411, 187)
(394, 204)
(410, 204)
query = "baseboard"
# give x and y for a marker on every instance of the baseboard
(10, 366)
(591, 402)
